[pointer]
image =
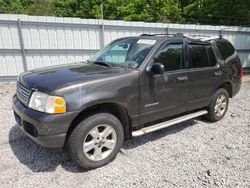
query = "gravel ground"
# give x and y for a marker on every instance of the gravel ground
(191, 154)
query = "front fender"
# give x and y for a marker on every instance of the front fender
(123, 91)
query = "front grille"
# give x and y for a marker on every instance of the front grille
(23, 93)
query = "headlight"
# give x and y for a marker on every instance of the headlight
(45, 103)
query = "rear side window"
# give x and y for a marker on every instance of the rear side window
(171, 56)
(201, 56)
(226, 49)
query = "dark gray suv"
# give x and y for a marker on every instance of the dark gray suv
(134, 86)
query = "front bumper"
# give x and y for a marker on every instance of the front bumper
(48, 130)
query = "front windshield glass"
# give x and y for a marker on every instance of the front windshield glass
(128, 53)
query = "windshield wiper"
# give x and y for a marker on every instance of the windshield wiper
(103, 63)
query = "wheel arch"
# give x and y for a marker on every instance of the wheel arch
(113, 108)
(227, 86)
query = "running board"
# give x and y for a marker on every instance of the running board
(168, 123)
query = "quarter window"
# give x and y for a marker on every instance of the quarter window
(171, 56)
(226, 49)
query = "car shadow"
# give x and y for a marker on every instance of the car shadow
(39, 159)
(138, 141)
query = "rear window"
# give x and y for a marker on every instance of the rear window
(226, 49)
(201, 56)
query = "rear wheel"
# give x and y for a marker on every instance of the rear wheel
(96, 141)
(219, 105)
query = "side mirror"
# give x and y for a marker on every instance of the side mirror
(156, 68)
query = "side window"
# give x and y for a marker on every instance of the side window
(171, 56)
(201, 56)
(138, 52)
(212, 58)
(226, 49)
(198, 56)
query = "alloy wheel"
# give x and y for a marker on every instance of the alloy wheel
(99, 142)
(220, 105)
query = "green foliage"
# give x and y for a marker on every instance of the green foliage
(11, 6)
(165, 10)
(135, 10)
(230, 12)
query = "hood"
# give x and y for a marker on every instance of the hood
(51, 78)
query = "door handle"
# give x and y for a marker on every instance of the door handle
(217, 73)
(182, 78)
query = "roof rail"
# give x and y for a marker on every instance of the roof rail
(192, 36)
(210, 38)
(164, 34)
(204, 38)
(157, 34)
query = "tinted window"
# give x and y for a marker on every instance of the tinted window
(198, 56)
(226, 49)
(201, 56)
(212, 58)
(171, 56)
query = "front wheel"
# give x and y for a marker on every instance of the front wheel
(219, 105)
(96, 141)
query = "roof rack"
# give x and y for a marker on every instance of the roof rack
(164, 34)
(205, 38)
(157, 34)
(193, 36)
(210, 38)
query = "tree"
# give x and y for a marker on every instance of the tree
(165, 10)
(231, 12)
(136, 10)
(11, 6)
(37, 7)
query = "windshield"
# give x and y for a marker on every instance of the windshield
(128, 53)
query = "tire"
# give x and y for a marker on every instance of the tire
(215, 106)
(87, 150)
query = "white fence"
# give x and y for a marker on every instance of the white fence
(28, 42)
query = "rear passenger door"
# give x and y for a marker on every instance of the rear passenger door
(164, 95)
(204, 74)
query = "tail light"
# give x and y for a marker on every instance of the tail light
(241, 73)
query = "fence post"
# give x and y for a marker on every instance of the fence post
(102, 27)
(102, 35)
(20, 36)
(167, 32)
